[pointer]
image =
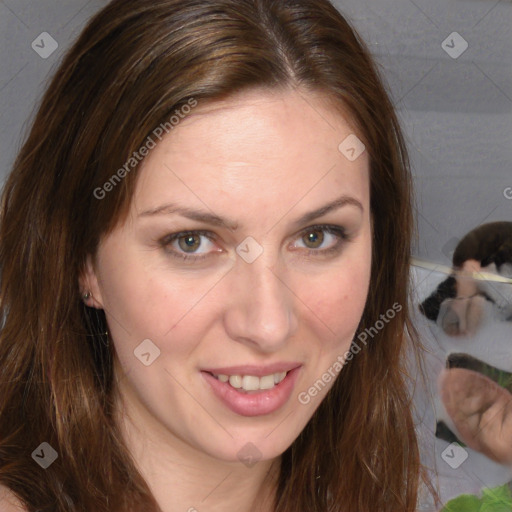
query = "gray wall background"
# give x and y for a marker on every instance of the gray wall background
(456, 110)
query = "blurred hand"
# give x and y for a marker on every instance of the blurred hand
(481, 411)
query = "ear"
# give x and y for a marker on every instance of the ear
(88, 282)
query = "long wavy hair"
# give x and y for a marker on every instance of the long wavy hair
(135, 63)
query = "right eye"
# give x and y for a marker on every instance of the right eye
(184, 245)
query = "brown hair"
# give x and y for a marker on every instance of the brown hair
(135, 63)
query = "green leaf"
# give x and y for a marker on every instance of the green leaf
(463, 503)
(498, 499)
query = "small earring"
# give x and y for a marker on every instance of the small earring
(107, 341)
(86, 296)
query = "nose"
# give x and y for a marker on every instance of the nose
(261, 311)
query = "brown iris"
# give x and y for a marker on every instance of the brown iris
(313, 237)
(190, 242)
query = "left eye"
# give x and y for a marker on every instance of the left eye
(316, 237)
(185, 245)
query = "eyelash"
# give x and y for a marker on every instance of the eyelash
(337, 231)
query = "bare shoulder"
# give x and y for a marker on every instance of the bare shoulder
(9, 502)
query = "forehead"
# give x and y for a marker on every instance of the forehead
(259, 116)
(272, 146)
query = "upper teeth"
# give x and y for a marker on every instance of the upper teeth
(251, 382)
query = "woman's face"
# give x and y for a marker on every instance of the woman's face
(265, 290)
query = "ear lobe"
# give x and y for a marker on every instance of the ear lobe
(88, 282)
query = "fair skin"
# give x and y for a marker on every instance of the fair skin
(262, 160)
(481, 410)
(9, 502)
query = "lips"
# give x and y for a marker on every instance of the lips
(253, 390)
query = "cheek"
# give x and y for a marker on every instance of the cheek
(341, 304)
(340, 297)
(337, 305)
(147, 302)
(134, 300)
(142, 298)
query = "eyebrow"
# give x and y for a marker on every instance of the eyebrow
(215, 220)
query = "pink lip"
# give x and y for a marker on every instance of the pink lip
(259, 403)
(257, 371)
